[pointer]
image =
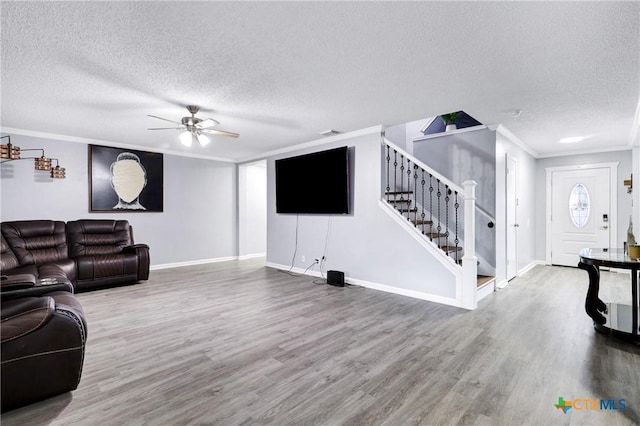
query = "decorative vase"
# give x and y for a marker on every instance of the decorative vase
(450, 127)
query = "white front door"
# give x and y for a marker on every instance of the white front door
(580, 212)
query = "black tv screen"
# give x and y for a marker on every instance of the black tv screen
(315, 183)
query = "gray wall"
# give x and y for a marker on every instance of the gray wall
(199, 218)
(624, 199)
(528, 210)
(464, 156)
(366, 244)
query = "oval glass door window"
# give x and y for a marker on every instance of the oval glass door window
(579, 205)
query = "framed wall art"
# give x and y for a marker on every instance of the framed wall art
(123, 179)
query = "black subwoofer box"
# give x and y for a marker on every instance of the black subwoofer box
(335, 278)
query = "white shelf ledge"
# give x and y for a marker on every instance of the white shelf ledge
(453, 132)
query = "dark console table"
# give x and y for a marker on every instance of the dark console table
(613, 318)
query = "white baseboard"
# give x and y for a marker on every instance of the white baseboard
(294, 270)
(251, 256)
(376, 286)
(486, 289)
(192, 263)
(531, 266)
(502, 284)
(404, 292)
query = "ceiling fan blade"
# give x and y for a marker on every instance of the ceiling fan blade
(220, 132)
(166, 128)
(164, 119)
(207, 123)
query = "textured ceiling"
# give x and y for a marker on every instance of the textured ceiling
(278, 73)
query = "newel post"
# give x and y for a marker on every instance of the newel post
(469, 260)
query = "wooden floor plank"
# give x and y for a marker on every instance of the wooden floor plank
(236, 343)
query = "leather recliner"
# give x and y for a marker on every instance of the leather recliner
(104, 253)
(34, 243)
(43, 339)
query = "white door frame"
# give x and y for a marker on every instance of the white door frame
(514, 249)
(613, 192)
(244, 192)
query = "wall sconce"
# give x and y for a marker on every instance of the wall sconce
(10, 152)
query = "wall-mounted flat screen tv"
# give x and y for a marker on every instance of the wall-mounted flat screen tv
(316, 183)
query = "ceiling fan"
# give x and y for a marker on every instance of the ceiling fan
(194, 127)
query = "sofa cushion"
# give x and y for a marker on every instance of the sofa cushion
(36, 241)
(97, 237)
(62, 270)
(8, 260)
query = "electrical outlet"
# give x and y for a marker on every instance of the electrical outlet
(303, 258)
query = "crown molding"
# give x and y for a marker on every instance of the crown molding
(318, 142)
(516, 140)
(584, 152)
(88, 141)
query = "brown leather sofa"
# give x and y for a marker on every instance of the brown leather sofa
(43, 339)
(90, 253)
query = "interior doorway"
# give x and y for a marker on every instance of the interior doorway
(252, 209)
(512, 217)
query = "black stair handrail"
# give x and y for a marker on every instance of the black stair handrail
(418, 175)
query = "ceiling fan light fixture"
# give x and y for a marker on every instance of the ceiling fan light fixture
(186, 138)
(192, 128)
(204, 141)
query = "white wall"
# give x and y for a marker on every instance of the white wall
(404, 134)
(397, 134)
(367, 244)
(199, 218)
(527, 211)
(465, 156)
(252, 209)
(624, 199)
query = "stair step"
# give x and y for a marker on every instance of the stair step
(483, 279)
(460, 262)
(398, 192)
(450, 249)
(421, 222)
(435, 235)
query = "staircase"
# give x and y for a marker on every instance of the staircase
(404, 202)
(440, 211)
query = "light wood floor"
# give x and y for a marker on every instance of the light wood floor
(237, 343)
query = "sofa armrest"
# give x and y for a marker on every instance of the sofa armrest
(142, 253)
(35, 290)
(43, 343)
(17, 282)
(24, 316)
(134, 248)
